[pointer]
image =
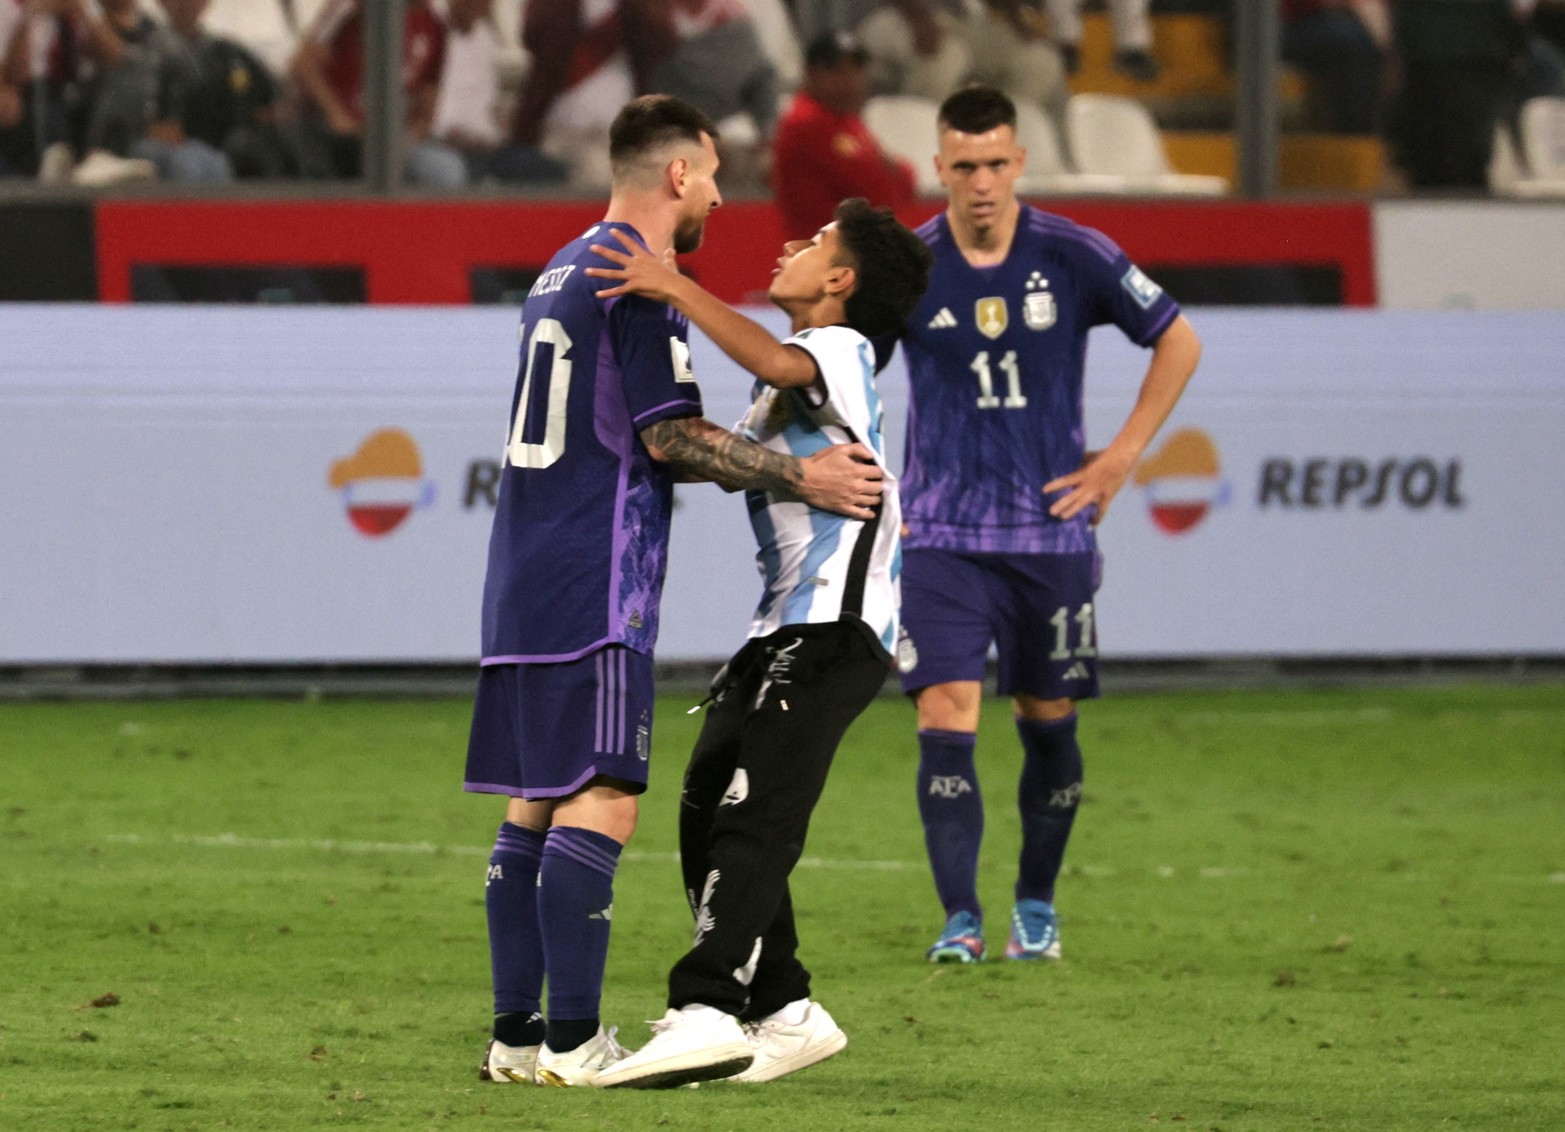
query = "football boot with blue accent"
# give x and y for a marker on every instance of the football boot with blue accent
(1035, 931)
(962, 941)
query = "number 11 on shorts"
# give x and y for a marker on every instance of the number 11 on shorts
(1087, 640)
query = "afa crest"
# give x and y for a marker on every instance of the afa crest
(1039, 311)
(991, 316)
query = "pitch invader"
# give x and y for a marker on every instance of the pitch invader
(605, 413)
(818, 650)
(1000, 497)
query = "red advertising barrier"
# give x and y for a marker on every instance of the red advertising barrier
(425, 252)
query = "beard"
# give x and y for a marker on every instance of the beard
(688, 234)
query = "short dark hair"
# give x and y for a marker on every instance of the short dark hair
(832, 49)
(653, 120)
(890, 262)
(977, 109)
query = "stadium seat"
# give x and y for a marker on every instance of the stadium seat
(1542, 124)
(1536, 170)
(1505, 165)
(1109, 134)
(774, 27)
(904, 124)
(1048, 172)
(513, 60)
(304, 13)
(260, 25)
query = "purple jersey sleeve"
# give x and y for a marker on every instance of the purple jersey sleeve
(651, 343)
(1123, 294)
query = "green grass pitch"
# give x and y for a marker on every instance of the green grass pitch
(1282, 910)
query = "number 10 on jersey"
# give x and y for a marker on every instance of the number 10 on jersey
(520, 453)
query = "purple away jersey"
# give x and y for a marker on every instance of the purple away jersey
(995, 362)
(580, 539)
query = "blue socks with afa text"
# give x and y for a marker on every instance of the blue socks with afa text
(953, 815)
(1048, 796)
(515, 945)
(575, 909)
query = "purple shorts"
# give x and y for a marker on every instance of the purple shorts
(544, 730)
(1036, 609)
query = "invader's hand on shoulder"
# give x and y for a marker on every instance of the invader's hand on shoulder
(637, 271)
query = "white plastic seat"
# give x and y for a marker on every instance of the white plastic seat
(260, 25)
(304, 13)
(1112, 135)
(905, 126)
(1542, 124)
(1505, 164)
(779, 40)
(1511, 173)
(508, 28)
(1047, 170)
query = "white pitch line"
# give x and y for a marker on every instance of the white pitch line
(427, 849)
(1296, 717)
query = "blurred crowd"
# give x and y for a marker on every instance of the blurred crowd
(98, 92)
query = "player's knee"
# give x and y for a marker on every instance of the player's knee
(949, 707)
(528, 815)
(1046, 711)
(602, 808)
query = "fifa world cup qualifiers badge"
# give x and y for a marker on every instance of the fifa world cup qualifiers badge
(1141, 288)
(1038, 308)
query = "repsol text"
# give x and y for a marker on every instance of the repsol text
(1418, 483)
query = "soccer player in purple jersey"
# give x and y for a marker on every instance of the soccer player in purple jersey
(606, 413)
(1000, 497)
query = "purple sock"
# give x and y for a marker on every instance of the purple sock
(1049, 793)
(515, 945)
(575, 905)
(953, 813)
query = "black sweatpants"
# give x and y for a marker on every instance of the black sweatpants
(781, 707)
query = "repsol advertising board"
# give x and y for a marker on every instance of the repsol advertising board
(260, 485)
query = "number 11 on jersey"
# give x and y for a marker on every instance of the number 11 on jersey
(1013, 382)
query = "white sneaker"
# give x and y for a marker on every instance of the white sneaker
(582, 1066)
(782, 1047)
(697, 1043)
(505, 1064)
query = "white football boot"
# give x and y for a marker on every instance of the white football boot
(509, 1065)
(582, 1066)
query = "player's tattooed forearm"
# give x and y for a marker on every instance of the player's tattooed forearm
(703, 449)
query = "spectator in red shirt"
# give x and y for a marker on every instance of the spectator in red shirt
(330, 69)
(823, 151)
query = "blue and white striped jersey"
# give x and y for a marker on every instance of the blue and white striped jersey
(817, 566)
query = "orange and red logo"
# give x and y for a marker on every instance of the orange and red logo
(382, 483)
(1183, 481)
